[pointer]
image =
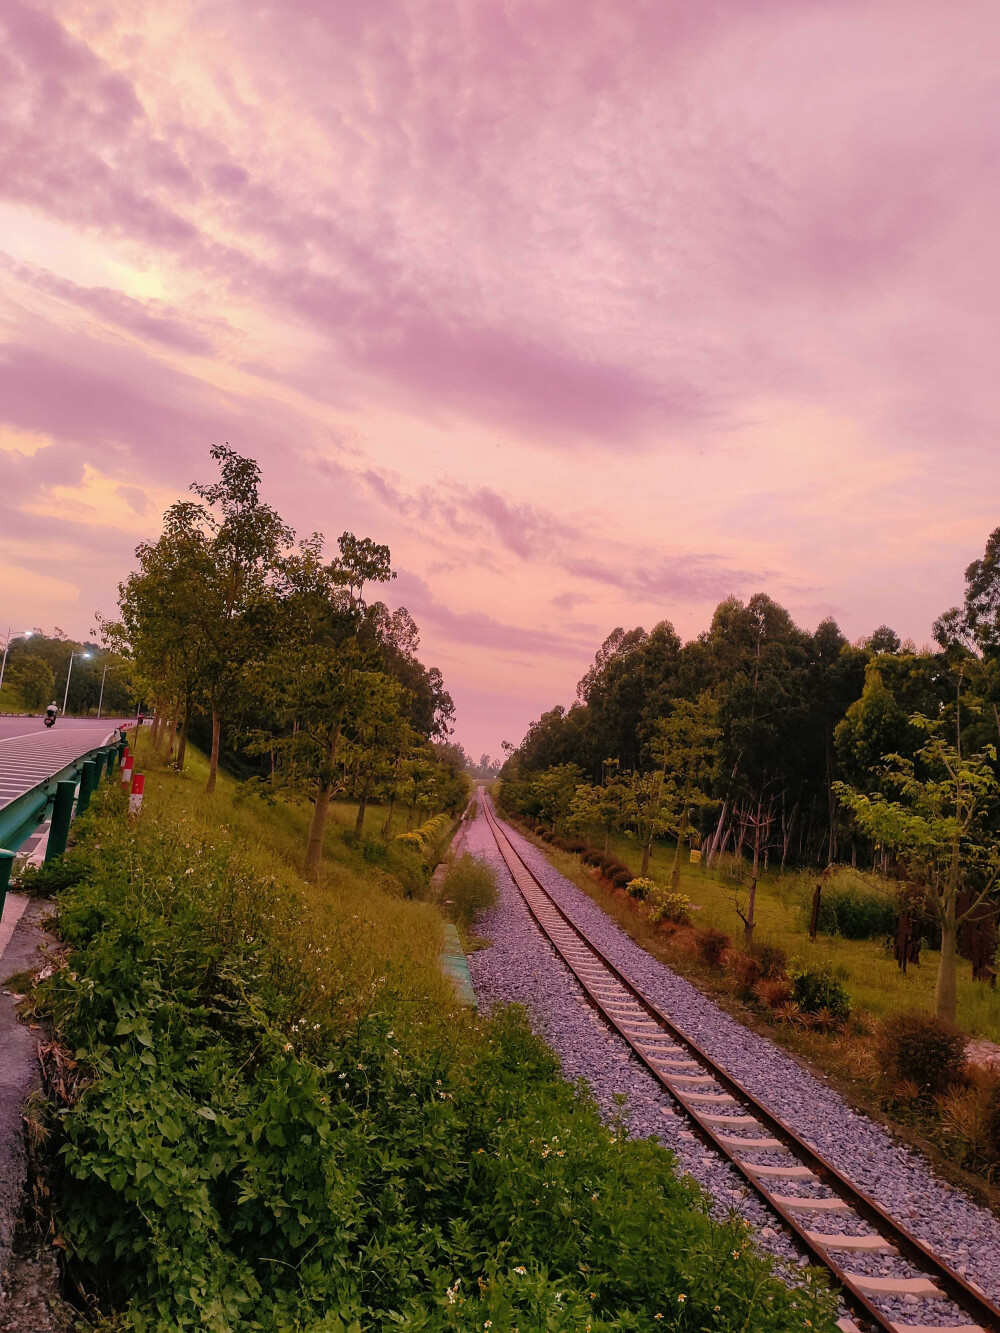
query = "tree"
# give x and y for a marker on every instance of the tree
(599, 807)
(941, 828)
(233, 546)
(685, 746)
(320, 673)
(34, 681)
(554, 791)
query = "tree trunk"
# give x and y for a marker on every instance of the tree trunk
(607, 841)
(182, 743)
(157, 725)
(712, 850)
(831, 847)
(748, 921)
(213, 763)
(646, 846)
(682, 828)
(409, 817)
(359, 823)
(946, 986)
(317, 830)
(317, 826)
(172, 729)
(387, 826)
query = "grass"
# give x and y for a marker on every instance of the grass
(870, 974)
(268, 1112)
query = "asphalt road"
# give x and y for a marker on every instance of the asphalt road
(30, 753)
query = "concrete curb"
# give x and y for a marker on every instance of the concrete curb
(19, 1071)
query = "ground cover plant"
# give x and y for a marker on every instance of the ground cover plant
(274, 1115)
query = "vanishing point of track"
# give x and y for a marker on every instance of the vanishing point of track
(717, 1105)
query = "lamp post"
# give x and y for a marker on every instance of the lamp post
(6, 645)
(103, 675)
(68, 674)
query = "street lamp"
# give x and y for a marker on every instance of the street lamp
(6, 645)
(68, 674)
(103, 674)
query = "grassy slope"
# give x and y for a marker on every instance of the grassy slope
(181, 1210)
(873, 979)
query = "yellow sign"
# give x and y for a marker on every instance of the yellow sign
(695, 855)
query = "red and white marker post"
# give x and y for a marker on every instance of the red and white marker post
(135, 795)
(127, 770)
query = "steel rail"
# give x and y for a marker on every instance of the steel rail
(966, 1297)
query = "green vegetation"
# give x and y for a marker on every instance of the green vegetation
(316, 691)
(469, 887)
(36, 670)
(276, 1117)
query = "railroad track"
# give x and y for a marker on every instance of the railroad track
(733, 1122)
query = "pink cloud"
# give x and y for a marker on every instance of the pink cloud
(625, 306)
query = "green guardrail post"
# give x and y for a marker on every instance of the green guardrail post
(88, 781)
(62, 814)
(6, 865)
(109, 772)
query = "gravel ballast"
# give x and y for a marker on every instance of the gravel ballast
(521, 967)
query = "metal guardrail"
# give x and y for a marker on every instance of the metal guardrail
(21, 817)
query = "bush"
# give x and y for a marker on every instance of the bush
(744, 969)
(559, 842)
(774, 992)
(621, 879)
(922, 1048)
(640, 888)
(44, 880)
(772, 960)
(411, 841)
(856, 913)
(608, 863)
(546, 834)
(711, 944)
(576, 845)
(591, 858)
(667, 906)
(814, 989)
(471, 887)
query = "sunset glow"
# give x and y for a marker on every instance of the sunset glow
(595, 313)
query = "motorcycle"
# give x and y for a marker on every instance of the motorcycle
(50, 719)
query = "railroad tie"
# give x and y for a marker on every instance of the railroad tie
(860, 1244)
(707, 1098)
(896, 1286)
(786, 1172)
(937, 1328)
(751, 1145)
(804, 1205)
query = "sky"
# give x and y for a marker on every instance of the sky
(595, 313)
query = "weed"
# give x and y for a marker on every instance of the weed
(470, 885)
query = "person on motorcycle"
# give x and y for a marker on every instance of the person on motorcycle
(51, 711)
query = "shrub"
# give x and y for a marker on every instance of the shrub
(711, 944)
(591, 858)
(922, 1048)
(412, 841)
(45, 880)
(640, 888)
(667, 906)
(856, 913)
(546, 834)
(471, 887)
(621, 878)
(773, 991)
(814, 989)
(559, 842)
(576, 845)
(744, 969)
(607, 863)
(772, 960)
